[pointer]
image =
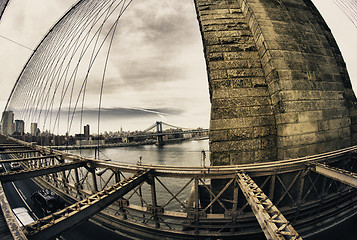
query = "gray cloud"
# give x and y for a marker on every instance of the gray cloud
(152, 45)
(152, 37)
(119, 112)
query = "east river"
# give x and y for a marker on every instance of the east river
(189, 153)
(186, 153)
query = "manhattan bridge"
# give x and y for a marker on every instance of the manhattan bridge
(283, 130)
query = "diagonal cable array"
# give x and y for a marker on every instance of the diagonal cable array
(52, 88)
(349, 7)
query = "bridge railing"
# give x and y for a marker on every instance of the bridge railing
(191, 202)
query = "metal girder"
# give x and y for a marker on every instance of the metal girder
(28, 159)
(338, 174)
(23, 174)
(54, 224)
(13, 146)
(272, 222)
(10, 218)
(25, 151)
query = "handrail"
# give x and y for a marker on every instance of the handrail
(193, 217)
(293, 164)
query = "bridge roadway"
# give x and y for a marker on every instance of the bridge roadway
(304, 191)
(18, 194)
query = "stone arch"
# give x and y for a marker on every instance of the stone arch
(279, 87)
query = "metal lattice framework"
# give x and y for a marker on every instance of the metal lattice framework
(73, 55)
(272, 222)
(309, 194)
(181, 203)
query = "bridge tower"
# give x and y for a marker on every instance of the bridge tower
(160, 139)
(279, 89)
(278, 84)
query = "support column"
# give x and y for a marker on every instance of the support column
(154, 206)
(94, 180)
(78, 184)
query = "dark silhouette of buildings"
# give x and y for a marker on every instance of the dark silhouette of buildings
(86, 131)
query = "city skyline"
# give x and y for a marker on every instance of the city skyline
(11, 126)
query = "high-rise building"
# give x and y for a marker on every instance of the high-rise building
(86, 131)
(34, 129)
(7, 123)
(20, 127)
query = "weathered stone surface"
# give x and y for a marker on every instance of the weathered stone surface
(243, 122)
(278, 83)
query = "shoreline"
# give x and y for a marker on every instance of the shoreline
(114, 145)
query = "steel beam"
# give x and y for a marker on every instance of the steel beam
(9, 144)
(54, 224)
(272, 222)
(23, 174)
(25, 151)
(338, 174)
(28, 159)
(13, 146)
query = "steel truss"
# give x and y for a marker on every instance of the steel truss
(272, 222)
(341, 175)
(40, 171)
(206, 203)
(52, 225)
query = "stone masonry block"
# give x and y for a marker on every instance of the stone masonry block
(297, 128)
(241, 102)
(240, 55)
(248, 72)
(312, 105)
(249, 133)
(325, 125)
(240, 92)
(227, 113)
(242, 122)
(279, 86)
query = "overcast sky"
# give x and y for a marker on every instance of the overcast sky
(156, 70)
(158, 65)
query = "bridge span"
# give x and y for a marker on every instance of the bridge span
(278, 200)
(279, 89)
(161, 129)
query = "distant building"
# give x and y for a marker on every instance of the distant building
(86, 131)
(90, 142)
(20, 127)
(34, 129)
(58, 140)
(7, 123)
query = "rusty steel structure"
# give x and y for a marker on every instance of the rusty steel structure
(278, 200)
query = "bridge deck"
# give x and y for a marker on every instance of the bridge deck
(54, 224)
(153, 218)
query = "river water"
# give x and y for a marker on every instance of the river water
(189, 153)
(186, 153)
